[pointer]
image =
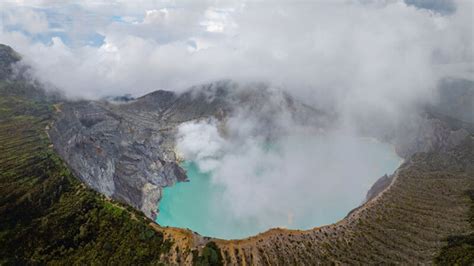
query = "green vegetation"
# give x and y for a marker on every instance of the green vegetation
(460, 249)
(47, 215)
(210, 255)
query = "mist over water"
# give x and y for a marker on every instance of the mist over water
(298, 182)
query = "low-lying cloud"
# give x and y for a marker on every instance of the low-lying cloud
(349, 52)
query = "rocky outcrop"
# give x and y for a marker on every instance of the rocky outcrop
(426, 133)
(380, 185)
(7, 58)
(124, 157)
(441, 125)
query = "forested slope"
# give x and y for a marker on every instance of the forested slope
(46, 214)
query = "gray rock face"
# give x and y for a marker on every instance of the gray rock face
(380, 185)
(126, 151)
(7, 58)
(428, 133)
(439, 126)
(117, 153)
(442, 125)
(455, 99)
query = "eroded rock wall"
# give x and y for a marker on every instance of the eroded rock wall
(122, 156)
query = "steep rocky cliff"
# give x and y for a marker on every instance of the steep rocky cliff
(7, 59)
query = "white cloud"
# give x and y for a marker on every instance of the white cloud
(26, 19)
(218, 20)
(297, 180)
(200, 142)
(336, 52)
(155, 16)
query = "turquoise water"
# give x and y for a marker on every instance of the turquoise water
(204, 205)
(195, 205)
(186, 204)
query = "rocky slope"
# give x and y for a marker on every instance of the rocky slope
(8, 57)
